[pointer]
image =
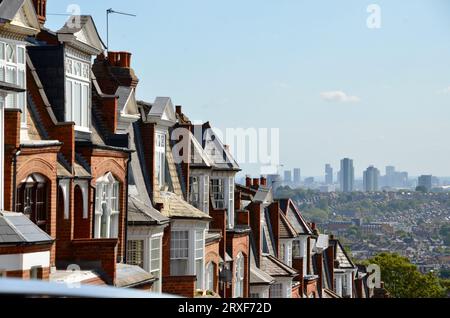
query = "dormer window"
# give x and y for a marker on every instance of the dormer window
(78, 88)
(13, 71)
(160, 153)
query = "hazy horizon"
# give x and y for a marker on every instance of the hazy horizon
(334, 87)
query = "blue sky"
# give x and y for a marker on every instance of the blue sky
(271, 64)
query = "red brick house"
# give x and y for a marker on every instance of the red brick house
(67, 160)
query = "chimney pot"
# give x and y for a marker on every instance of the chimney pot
(179, 109)
(263, 181)
(248, 181)
(256, 182)
(313, 226)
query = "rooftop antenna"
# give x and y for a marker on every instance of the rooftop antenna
(108, 12)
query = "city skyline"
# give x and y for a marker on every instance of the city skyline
(362, 101)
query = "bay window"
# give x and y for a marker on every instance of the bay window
(218, 193)
(187, 253)
(286, 253)
(276, 291)
(107, 207)
(206, 194)
(78, 87)
(33, 198)
(160, 152)
(155, 261)
(179, 253)
(13, 71)
(199, 242)
(135, 253)
(239, 277)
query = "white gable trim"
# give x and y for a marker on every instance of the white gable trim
(25, 21)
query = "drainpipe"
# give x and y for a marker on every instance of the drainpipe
(125, 248)
(14, 192)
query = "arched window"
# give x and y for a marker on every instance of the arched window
(210, 276)
(107, 207)
(239, 277)
(32, 198)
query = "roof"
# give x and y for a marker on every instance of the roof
(161, 109)
(16, 228)
(141, 214)
(286, 229)
(213, 236)
(84, 30)
(131, 276)
(274, 267)
(8, 87)
(9, 9)
(295, 217)
(176, 207)
(216, 150)
(259, 277)
(341, 256)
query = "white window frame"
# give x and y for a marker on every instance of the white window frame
(160, 157)
(239, 276)
(18, 67)
(82, 78)
(210, 271)
(108, 197)
(179, 251)
(194, 191)
(130, 250)
(156, 271)
(218, 186)
(206, 194)
(286, 252)
(276, 290)
(195, 252)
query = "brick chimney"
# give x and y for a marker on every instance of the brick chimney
(114, 71)
(248, 181)
(41, 9)
(256, 183)
(179, 109)
(263, 181)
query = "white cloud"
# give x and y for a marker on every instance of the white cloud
(444, 91)
(339, 96)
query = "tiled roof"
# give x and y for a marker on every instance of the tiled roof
(341, 256)
(259, 277)
(141, 214)
(130, 276)
(287, 231)
(294, 216)
(9, 9)
(213, 236)
(16, 228)
(176, 207)
(274, 267)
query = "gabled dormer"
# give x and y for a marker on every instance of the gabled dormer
(63, 60)
(18, 20)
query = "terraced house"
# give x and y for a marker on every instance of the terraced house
(132, 193)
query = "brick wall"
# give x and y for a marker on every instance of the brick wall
(255, 224)
(12, 143)
(97, 249)
(179, 285)
(212, 255)
(236, 244)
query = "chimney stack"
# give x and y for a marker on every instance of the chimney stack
(248, 181)
(263, 181)
(120, 59)
(41, 9)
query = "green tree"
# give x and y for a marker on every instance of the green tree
(403, 280)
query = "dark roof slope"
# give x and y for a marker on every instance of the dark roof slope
(16, 228)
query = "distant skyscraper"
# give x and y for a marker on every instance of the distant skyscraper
(390, 176)
(297, 176)
(426, 181)
(287, 177)
(347, 175)
(328, 174)
(371, 179)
